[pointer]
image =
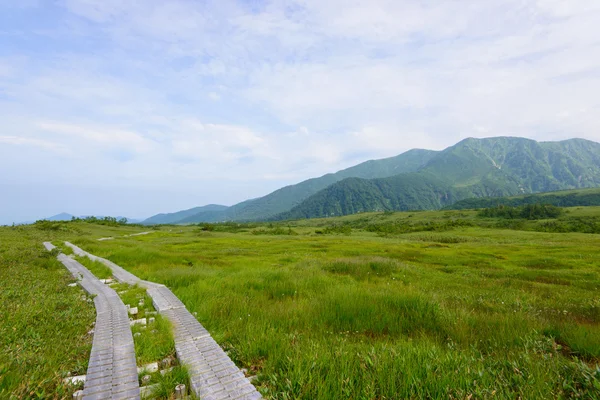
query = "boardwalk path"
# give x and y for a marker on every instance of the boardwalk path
(213, 375)
(112, 371)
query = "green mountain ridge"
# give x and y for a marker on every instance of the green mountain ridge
(354, 195)
(422, 179)
(492, 167)
(287, 197)
(563, 198)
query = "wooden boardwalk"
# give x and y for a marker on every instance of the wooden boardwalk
(213, 375)
(112, 369)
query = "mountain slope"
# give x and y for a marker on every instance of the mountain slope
(410, 191)
(287, 197)
(501, 166)
(171, 218)
(507, 165)
(565, 198)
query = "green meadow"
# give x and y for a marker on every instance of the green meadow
(444, 304)
(44, 323)
(389, 305)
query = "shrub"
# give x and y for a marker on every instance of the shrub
(274, 231)
(399, 227)
(528, 211)
(207, 227)
(337, 229)
(48, 225)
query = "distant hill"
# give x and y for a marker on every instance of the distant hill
(565, 198)
(287, 197)
(171, 218)
(501, 166)
(60, 217)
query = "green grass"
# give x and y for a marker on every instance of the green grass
(63, 248)
(155, 341)
(166, 383)
(43, 322)
(463, 309)
(432, 305)
(100, 270)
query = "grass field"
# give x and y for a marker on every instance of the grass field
(43, 322)
(386, 305)
(351, 308)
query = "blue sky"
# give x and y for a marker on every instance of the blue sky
(138, 107)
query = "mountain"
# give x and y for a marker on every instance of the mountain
(501, 166)
(564, 198)
(409, 191)
(60, 217)
(171, 218)
(287, 197)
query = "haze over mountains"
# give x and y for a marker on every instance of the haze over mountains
(181, 215)
(420, 179)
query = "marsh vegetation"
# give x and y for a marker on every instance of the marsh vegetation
(390, 305)
(446, 304)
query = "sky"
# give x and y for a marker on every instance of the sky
(130, 108)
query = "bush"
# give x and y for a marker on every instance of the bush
(207, 227)
(227, 227)
(48, 225)
(528, 211)
(335, 230)
(274, 231)
(577, 224)
(109, 221)
(399, 227)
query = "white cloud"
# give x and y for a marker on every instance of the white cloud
(105, 136)
(26, 141)
(168, 93)
(504, 65)
(219, 143)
